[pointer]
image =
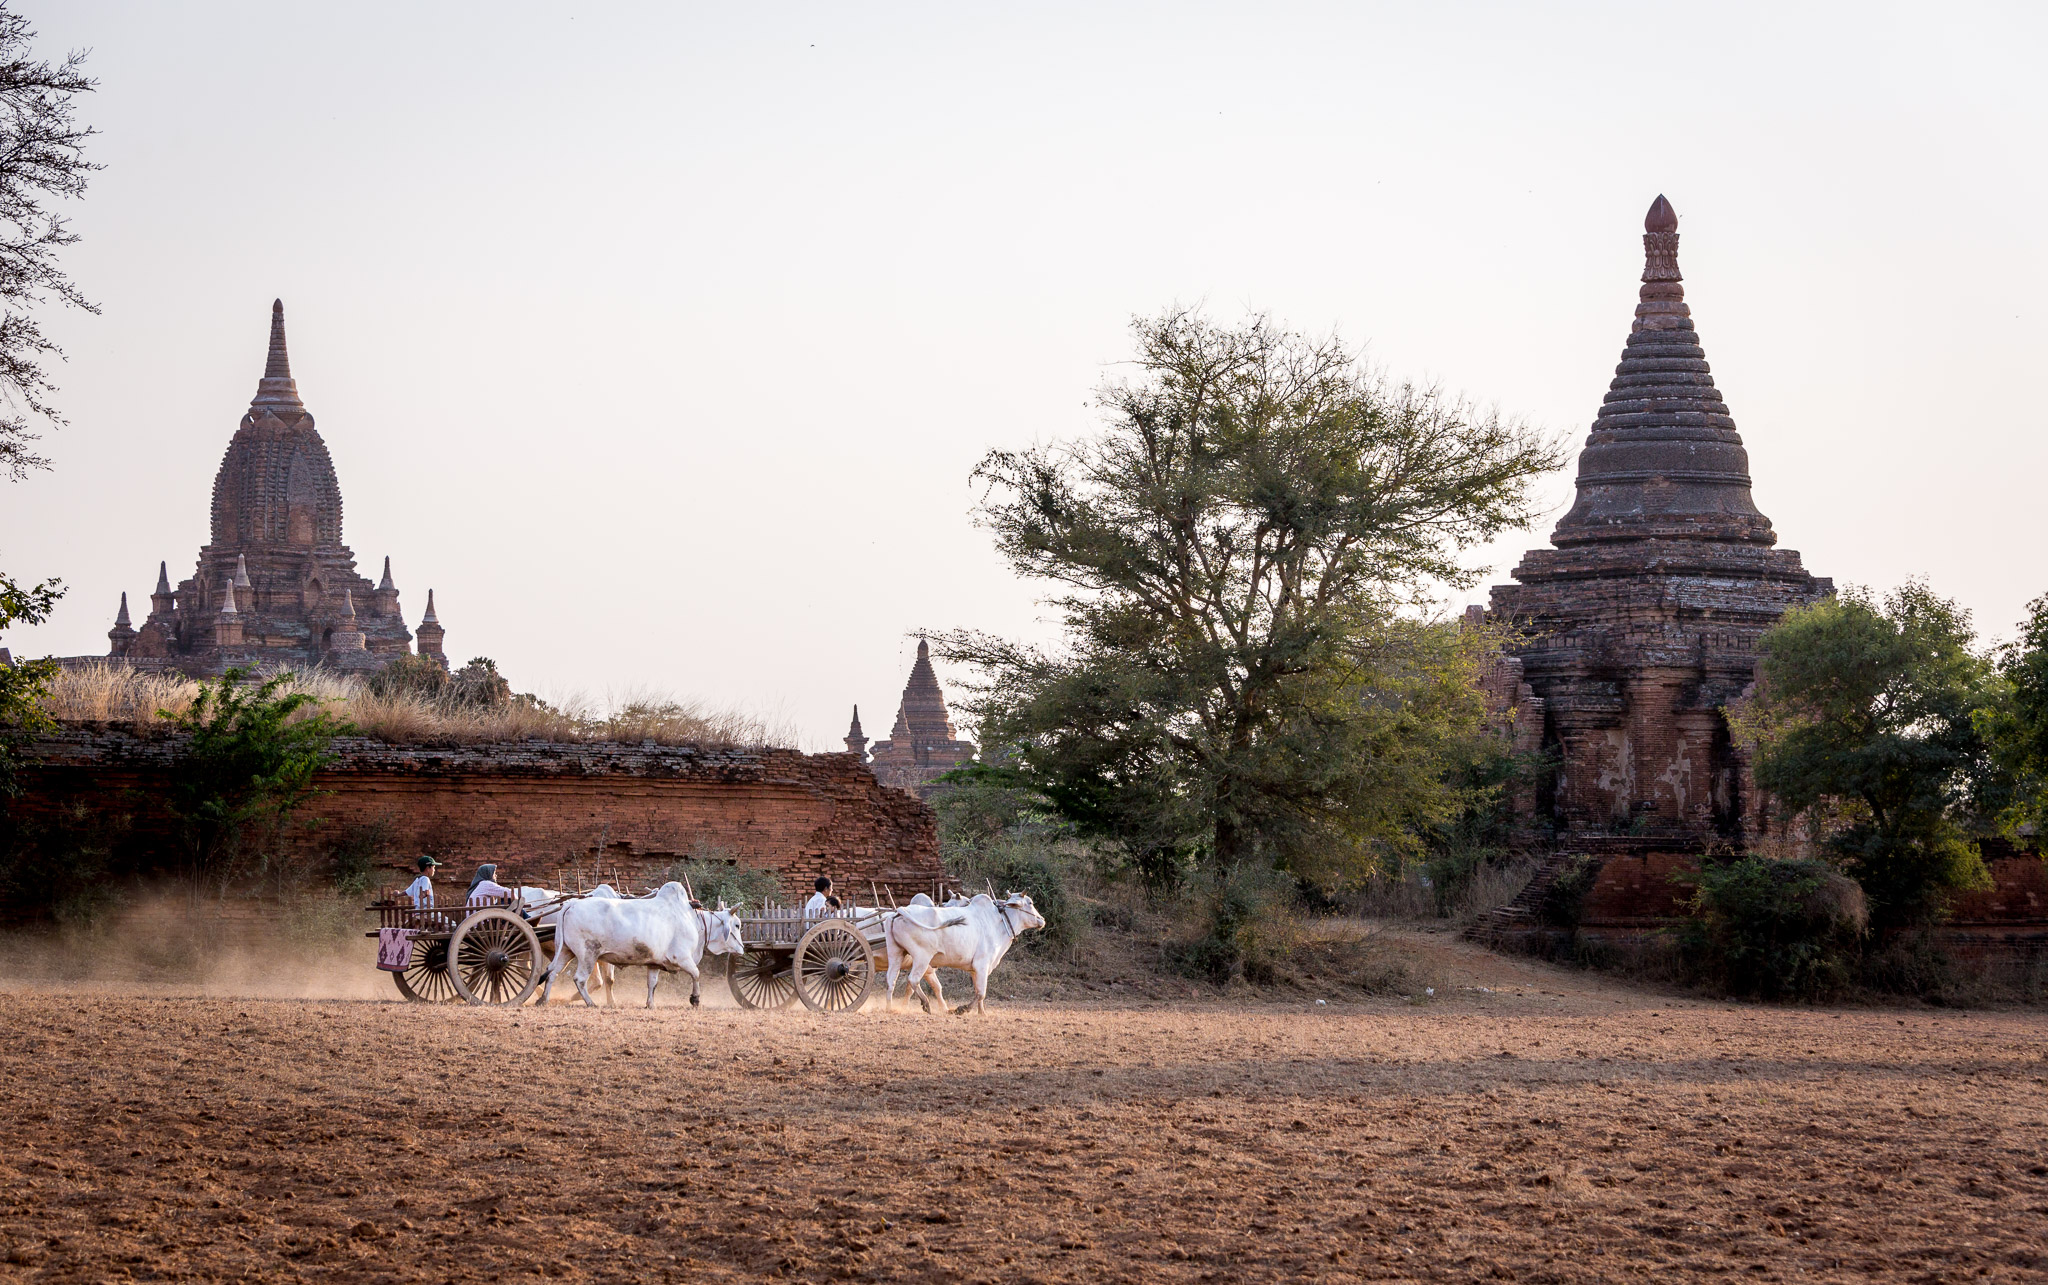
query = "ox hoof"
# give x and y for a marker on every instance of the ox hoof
(693, 1001)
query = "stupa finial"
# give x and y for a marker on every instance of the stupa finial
(121, 620)
(163, 577)
(1661, 218)
(386, 584)
(1660, 243)
(277, 388)
(430, 618)
(280, 364)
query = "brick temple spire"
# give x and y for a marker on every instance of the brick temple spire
(161, 600)
(1638, 627)
(923, 714)
(277, 388)
(227, 624)
(923, 745)
(123, 632)
(276, 547)
(856, 739)
(430, 634)
(1663, 459)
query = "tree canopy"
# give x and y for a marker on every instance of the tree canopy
(42, 158)
(1237, 557)
(1868, 716)
(2018, 727)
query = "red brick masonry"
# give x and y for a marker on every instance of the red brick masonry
(550, 812)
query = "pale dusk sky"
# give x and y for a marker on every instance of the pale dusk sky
(661, 340)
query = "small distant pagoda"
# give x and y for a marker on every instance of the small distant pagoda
(923, 745)
(275, 586)
(1640, 623)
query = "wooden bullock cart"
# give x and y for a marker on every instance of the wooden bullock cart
(828, 963)
(481, 952)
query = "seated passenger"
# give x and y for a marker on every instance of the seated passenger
(484, 886)
(421, 890)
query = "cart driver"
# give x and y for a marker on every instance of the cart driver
(421, 890)
(822, 901)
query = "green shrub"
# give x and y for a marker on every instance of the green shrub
(478, 685)
(995, 836)
(1246, 923)
(1776, 929)
(414, 677)
(714, 877)
(1036, 868)
(250, 759)
(1564, 900)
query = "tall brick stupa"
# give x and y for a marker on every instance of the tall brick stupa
(923, 745)
(274, 587)
(1641, 620)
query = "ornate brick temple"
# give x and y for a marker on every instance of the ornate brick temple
(923, 745)
(275, 586)
(1641, 622)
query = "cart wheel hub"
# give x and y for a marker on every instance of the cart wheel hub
(496, 961)
(837, 969)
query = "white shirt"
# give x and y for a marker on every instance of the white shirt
(815, 908)
(489, 889)
(421, 890)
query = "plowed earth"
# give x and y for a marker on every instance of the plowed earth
(1549, 1127)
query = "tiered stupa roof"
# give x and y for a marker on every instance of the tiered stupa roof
(1663, 458)
(923, 745)
(276, 486)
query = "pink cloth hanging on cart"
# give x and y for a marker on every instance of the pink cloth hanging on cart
(394, 949)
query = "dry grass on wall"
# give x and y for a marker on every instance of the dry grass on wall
(114, 694)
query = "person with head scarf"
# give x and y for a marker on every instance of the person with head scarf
(484, 886)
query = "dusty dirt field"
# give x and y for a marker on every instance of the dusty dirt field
(1550, 1127)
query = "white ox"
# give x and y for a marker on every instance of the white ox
(974, 936)
(663, 933)
(552, 918)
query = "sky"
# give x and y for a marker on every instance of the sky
(662, 340)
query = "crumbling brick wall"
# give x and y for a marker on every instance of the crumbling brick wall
(549, 813)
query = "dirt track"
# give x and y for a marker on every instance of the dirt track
(1549, 1128)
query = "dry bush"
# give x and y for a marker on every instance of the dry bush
(1442, 891)
(104, 693)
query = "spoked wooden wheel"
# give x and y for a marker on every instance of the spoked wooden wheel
(426, 979)
(833, 968)
(494, 958)
(761, 979)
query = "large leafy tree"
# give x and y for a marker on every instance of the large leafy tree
(1867, 718)
(2018, 728)
(42, 160)
(1236, 558)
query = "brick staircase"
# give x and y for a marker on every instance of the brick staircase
(1501, 926)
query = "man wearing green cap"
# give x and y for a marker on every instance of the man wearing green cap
(421, 890)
